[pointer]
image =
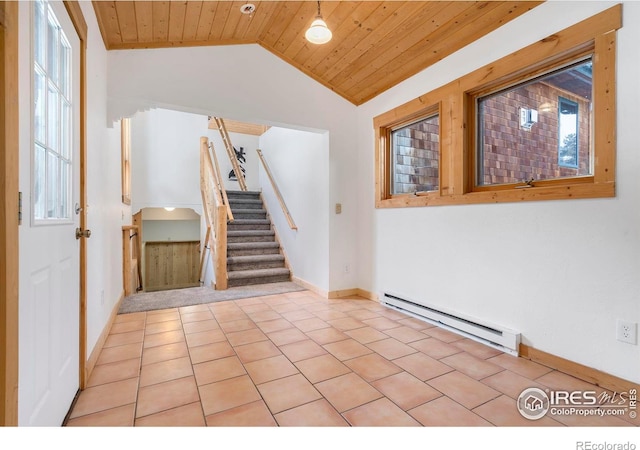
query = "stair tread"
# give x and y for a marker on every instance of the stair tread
(250, 245)
(244, 207)
(238, 194)
(253, 242)
(250, 222)
(257, 273)
(245, 200)
(248, 211)
(256, 258)
(251, 233)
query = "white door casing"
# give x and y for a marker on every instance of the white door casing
(49, 290)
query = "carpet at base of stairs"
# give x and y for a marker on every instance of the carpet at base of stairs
(253, 253)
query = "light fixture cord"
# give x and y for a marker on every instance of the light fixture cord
(319, 15)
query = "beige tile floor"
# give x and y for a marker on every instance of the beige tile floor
(298, 359)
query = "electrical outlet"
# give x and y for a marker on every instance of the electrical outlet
(626, 331)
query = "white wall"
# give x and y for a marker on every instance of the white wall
(180, 224)
(165, 159)
(171, 230)
(560, 272)
(165, 152)
(250, 144)
(106, 213)
(299, 162)
(175, 214)
(247, 83)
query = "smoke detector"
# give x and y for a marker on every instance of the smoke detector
(248, 8)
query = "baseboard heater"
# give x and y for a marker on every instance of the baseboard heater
(498, 337)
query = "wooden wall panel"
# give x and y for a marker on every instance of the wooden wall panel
(171, 265)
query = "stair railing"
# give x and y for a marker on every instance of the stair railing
(283, 205)
(219, 182)
(237, 170)
(216, 212)
(132, 260)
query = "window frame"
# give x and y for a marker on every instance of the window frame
(594, 36)
(384, 126)
(433, 112)
(63, 158)
(580, 53)
(566, 100)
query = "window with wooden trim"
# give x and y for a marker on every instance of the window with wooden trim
(125, 144)
(415, 149)
(538, 124)
(529, 132)
(409, 156)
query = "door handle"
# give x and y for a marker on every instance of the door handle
(80, 233)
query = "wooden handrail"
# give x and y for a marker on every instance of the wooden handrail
(130, 254)
(215, 212)
(207, 166)
(225, 199)
(203, 254)
(283, 205)
(237, 170)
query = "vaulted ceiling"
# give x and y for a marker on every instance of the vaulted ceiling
(375, 45)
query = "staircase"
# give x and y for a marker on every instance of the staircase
(253, 253)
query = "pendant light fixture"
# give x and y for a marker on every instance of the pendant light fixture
(318, 32)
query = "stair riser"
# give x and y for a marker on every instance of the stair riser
(251, 197)
(242, 205)
(253, 252)
(259, 280)
(248, 226)
(255, 265)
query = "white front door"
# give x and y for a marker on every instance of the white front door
(49, 179)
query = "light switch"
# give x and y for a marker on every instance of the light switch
(338, 208)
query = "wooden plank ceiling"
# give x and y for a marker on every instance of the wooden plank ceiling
(375, 45)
